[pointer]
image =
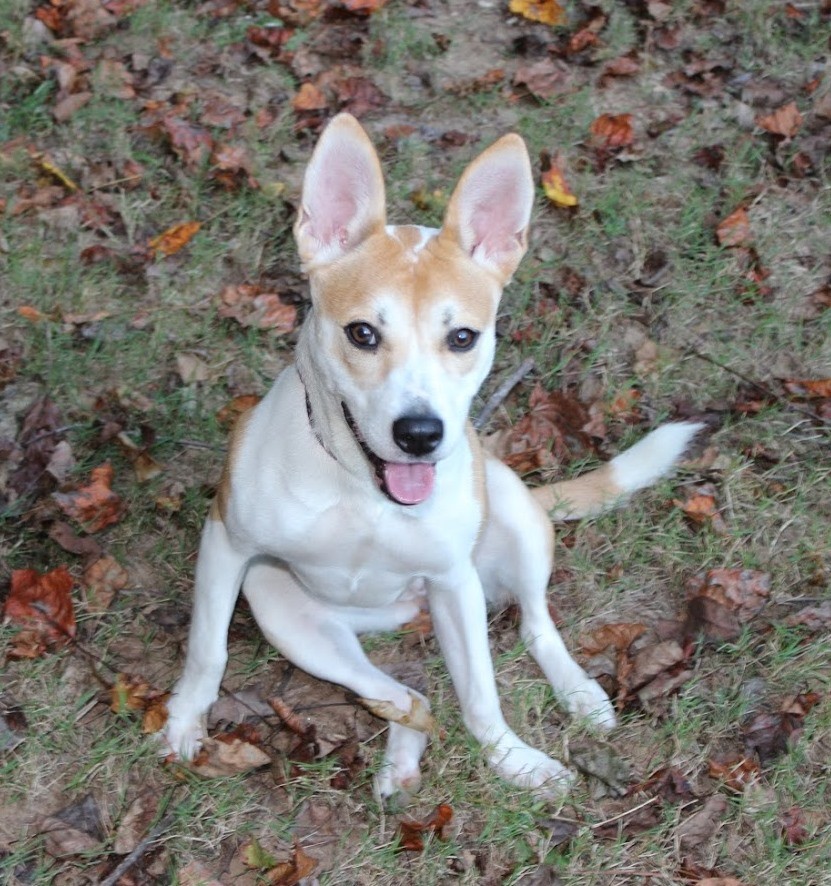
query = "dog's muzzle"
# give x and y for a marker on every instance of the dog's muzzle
(406, 483)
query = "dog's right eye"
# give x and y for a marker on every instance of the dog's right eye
(363, 336)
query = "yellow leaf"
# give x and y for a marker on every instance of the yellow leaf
(549, 12)
(556, 187)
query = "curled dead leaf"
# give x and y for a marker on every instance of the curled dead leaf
(227, 755)
(411, 834)
(418, 717)
(721, 601)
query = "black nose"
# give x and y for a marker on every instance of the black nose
(417, 434)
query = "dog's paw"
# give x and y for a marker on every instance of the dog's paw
(589, 702)
(181, 737)
(531, 769)
(400, 776)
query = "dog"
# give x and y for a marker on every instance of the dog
(356, 492)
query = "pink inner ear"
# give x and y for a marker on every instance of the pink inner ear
(339, 192)
(495, 208)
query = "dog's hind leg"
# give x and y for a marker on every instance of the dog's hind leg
(321, 639)
(514, 559)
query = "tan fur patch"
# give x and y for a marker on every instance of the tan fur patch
(581, 497)
(219, 506)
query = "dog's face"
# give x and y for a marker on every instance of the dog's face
(404, 317)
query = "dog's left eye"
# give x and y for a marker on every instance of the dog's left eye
(462, 339)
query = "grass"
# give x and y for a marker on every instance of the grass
(626, 566)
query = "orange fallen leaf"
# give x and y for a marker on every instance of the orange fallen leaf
(612, 131)
(554, 183)
(42, 605)
(174, 238)
(548, 12)
(94, 506)
(309, 98)
(411, 833)
(735, 229)
(813, 389)
(33, 315)
(785, 121)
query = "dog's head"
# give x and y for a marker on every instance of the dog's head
(403, 317)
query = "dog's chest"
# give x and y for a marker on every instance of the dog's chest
(373, 557)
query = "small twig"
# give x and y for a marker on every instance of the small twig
(765, 389)
(200, 444)
(115, 181)
(139, 851)
(500, 394)
(614, 818)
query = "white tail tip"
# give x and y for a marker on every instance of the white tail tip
(653, 457)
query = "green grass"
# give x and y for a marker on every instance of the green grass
(630, 565)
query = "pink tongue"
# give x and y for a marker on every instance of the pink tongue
(409, 484)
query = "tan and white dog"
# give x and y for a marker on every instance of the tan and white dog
(356, 491)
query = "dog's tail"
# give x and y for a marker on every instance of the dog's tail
(613, 483)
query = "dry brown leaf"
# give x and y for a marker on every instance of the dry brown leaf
(701, 826)
(42, 605)
(250, 306)
(721, 601)
(654, 660)
(227, 755)
(135, 822)
(785, 121)
(176, 237)
(291, 872)
(95, 506)
(700, 508)
(735, 229)
(619, 635)
(102, 579)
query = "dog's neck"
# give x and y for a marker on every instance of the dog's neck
(327, 418)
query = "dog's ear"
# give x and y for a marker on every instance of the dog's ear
(343, 198)
(490, 209)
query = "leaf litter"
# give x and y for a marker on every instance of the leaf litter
(555, 54)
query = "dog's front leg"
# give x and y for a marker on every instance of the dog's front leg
(460, 623)
(219, 572)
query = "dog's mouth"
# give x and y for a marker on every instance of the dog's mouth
(406, 483)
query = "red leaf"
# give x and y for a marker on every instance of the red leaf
(42, 605)
(785, 121)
